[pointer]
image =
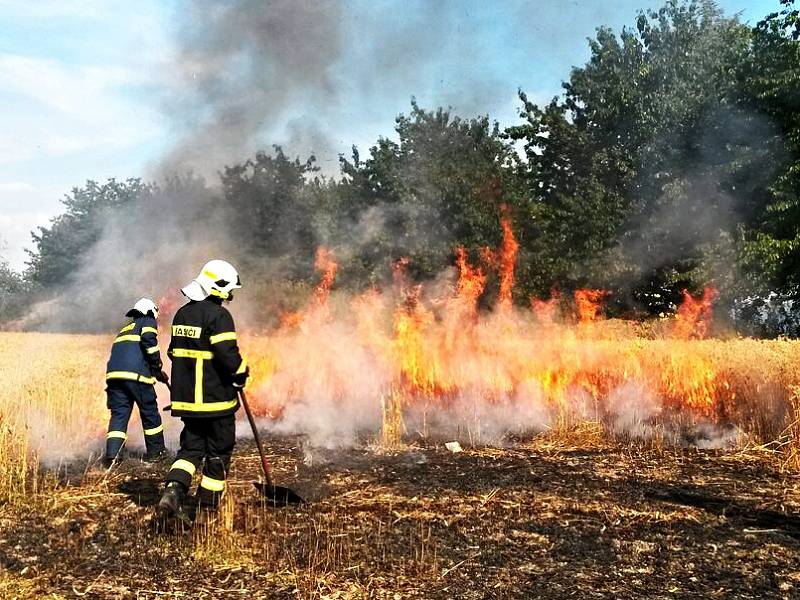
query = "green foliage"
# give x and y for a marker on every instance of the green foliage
(770, 249)
(440, 186)
(785, 24)
(658, 156)
(13, 292)
(60, 247)
(271, 206)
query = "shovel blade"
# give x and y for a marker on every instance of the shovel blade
(278, 495)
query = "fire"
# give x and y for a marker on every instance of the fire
(508, 259)
(588, 304)
(546, 310)
(327, 266)
(693, 316)
(471, 280)
(431, 346)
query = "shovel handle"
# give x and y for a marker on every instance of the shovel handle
(264, 463)
(168, 407)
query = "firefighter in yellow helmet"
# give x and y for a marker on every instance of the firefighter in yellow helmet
(207, 370)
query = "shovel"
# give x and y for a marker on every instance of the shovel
(168, 407)
(275, 494)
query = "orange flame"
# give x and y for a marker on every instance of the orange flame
(471, 280)
(693, 317)
(327, 266)
(546, 310)
(508, 259)
(433, 346)
(589, 303)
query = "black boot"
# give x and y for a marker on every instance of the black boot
(111, 461)
(157, 456)
(170, 506)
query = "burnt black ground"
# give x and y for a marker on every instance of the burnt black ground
(532, 520)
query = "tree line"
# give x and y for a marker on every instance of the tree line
(670, 161)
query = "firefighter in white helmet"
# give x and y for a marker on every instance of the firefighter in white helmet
(132, 369)
(207, 370)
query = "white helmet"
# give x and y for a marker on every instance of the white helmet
(144, 306)
(217, 278)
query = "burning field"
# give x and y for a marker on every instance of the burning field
(600, 457)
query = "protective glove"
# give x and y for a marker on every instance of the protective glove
(240, 379)
(162, 377)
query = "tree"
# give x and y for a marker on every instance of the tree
(269, 209)
(652, 156)
(60, 247)
(770, 248)
(12, 292)
(440, 185)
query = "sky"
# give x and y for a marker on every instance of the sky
(91, 89)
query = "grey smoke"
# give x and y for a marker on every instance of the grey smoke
(149, 247)
(240, 67)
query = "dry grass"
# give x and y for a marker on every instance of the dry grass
(52, 403)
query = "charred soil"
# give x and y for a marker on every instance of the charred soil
(532, 520)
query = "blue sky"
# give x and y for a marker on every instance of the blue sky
(83, 82)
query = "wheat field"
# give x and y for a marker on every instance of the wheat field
(53, 413)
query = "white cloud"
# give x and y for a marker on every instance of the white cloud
(23, 208)
(15, 235)
(61, 109)
(53, 8)
(15, 187)
(75, 90)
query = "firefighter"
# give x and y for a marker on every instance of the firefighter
(207, 370)
(131, 372)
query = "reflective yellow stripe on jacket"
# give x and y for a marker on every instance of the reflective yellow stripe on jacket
(186, 353)
(204, 406)
(128, 338)
(222, 337)
(198, 405)
(130, 375)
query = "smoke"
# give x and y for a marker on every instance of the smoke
(288, 72)
(631, 410)
(240, 68)
(247, 74)
(696, 186)
(149, 247)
